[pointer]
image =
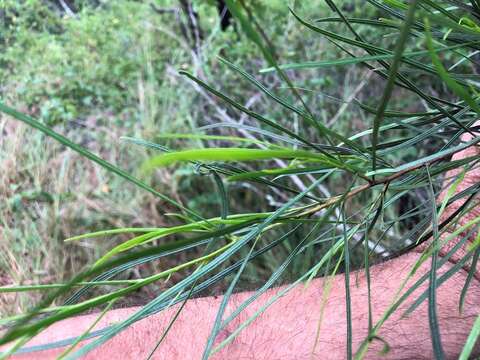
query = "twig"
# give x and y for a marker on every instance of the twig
(67, 10)
(371, 184)
(350, 98)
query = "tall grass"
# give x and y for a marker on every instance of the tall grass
(423, 51)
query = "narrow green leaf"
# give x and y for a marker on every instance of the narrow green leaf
(89, 155)
(395, 66)
(470, 275)
(277, 172)
(471, 340)
(458, 89)
(361, 59)
(348, 300)
(86, 332)
(110, 232)
(235, 154)
(214, 137)
(432, 286)
(202, 226)
(427, 159)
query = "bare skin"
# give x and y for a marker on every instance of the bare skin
(288, 329)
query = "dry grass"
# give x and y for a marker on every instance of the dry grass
(48, 194)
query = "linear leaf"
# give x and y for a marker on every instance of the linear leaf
(236, 154)
(89, 155)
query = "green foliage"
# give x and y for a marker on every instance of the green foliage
(91, 66)
(343, 193)
(63, 76)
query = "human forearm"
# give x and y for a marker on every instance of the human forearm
(185, 339)
(288, 327)
(294, 331)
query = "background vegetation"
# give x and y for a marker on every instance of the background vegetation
(351, 112)
(111, 71)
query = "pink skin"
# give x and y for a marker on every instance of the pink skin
(287, 330)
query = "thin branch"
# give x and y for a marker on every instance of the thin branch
(66, 8)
